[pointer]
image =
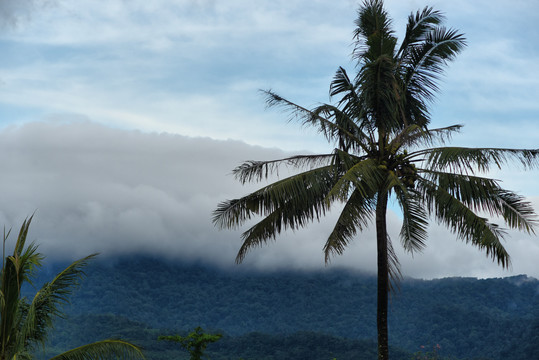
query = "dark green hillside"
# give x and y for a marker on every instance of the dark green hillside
(469, 318)
(252, 346)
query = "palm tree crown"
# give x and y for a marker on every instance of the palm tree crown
(384, 148)
(24, 324)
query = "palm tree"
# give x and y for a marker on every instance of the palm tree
(24, 324)
(196, 342)
(384, 148)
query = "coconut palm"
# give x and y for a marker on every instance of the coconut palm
(25, 324)
(384, 148)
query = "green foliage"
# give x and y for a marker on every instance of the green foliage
(306, 345)
(24, 324)
(196, 342)
(125, 298)
(112, 348)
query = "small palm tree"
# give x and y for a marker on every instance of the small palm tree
(195, 342)
(383, 149)
(24, 324)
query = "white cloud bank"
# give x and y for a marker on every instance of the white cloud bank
(98, 189)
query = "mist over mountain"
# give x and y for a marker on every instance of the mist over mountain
(121, 192)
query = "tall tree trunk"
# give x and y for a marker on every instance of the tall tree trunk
(383, 276)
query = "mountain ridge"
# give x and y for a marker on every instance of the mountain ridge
(468, 317)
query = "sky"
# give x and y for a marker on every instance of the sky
(120, 121)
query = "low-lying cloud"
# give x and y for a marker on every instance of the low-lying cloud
(114, 191)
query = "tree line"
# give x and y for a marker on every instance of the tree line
(176, 297)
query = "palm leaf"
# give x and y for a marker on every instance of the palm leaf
(364, 176)
(350, 102)
(331, 130)
(47, 303)
(461, 220)
(380, 94)
(468, 160)
(258, 170)
(355, 215)
(485, 195)
(413, 232)
(394, 267)
(418, 27)
(342, 84)
(373, 28)
(416, 135)
(105, 349)
(427, 61)
(288, 204)
(343, 129)
(303, 188)
(16, 269)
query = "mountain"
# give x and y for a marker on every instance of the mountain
(468, 318)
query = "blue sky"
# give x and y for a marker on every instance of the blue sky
(194, 67)
(119, 75)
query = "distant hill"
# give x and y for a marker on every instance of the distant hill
(468, 318)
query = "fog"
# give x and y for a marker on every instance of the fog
(118, 192)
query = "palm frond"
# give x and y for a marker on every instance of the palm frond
(294, 203)
(394, 267)
(413, 232)
(350, 103)
(347, 128)
(342, 84)
(265, 230)
(25, 258)
(485, 195)
(469, 160)
(380, 94)
(332, 131)
(415, 135)
(427, 61)
(100, 350)
(16, 269)
(355, 216)
(373, 30)
(47, 303)
(364, 176)
(283, 218)
(376, 81)
(461, 220)
(517, 212)
(258, 170)
(418, 27)
(21, 239)
(302, 191)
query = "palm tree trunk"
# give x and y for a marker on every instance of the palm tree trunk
(383, 276)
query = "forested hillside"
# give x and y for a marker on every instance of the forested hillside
(140, 298)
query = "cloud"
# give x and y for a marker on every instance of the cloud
(194, 67)
(110, 190)
(144, 65)
(13, 12)
(116, 191)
